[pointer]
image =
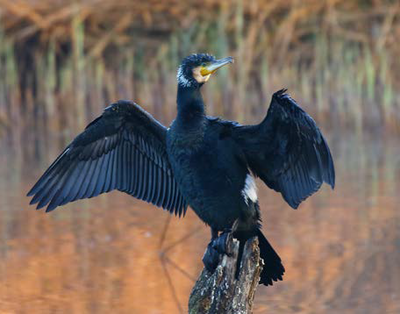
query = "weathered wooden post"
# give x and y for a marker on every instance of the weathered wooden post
(221, 292)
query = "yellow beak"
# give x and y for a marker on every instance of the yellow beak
(214, 66)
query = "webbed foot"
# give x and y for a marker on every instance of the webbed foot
(218, 246)
(222, 243)
(211, 258)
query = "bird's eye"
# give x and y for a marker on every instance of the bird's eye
(203, 64)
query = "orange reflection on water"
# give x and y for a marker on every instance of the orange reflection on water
(341, 249)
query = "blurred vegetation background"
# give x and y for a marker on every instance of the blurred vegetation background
(61, 62)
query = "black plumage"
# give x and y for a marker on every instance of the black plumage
(287, 150)
(124, 149)
(205, 162)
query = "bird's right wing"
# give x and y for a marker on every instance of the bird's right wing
(124, 149)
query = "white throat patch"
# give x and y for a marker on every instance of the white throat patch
(198, 77)
(249, 191)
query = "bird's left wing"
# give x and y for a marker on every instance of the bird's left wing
(287, 150)
(124, 149)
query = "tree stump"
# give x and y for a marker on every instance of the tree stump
(221, 292)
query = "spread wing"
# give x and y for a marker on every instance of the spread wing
(287, 150)
(124, 149)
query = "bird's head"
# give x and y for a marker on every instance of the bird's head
(197, 68)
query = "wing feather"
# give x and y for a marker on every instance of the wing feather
(123, 149)
(287, 150)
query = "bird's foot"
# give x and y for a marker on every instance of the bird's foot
(216, 249)
(211, 258)
(222, 243)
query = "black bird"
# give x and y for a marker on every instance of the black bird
(203, 162)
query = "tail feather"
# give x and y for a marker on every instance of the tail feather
(273, 269)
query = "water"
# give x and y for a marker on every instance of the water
(341, 249)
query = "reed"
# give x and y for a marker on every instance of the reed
(61, 62)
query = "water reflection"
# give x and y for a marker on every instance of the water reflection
(341, 250)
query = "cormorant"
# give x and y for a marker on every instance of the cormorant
(203, 162)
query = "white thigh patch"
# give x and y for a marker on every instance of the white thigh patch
(249, 191)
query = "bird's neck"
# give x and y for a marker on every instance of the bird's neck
(190, 103)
